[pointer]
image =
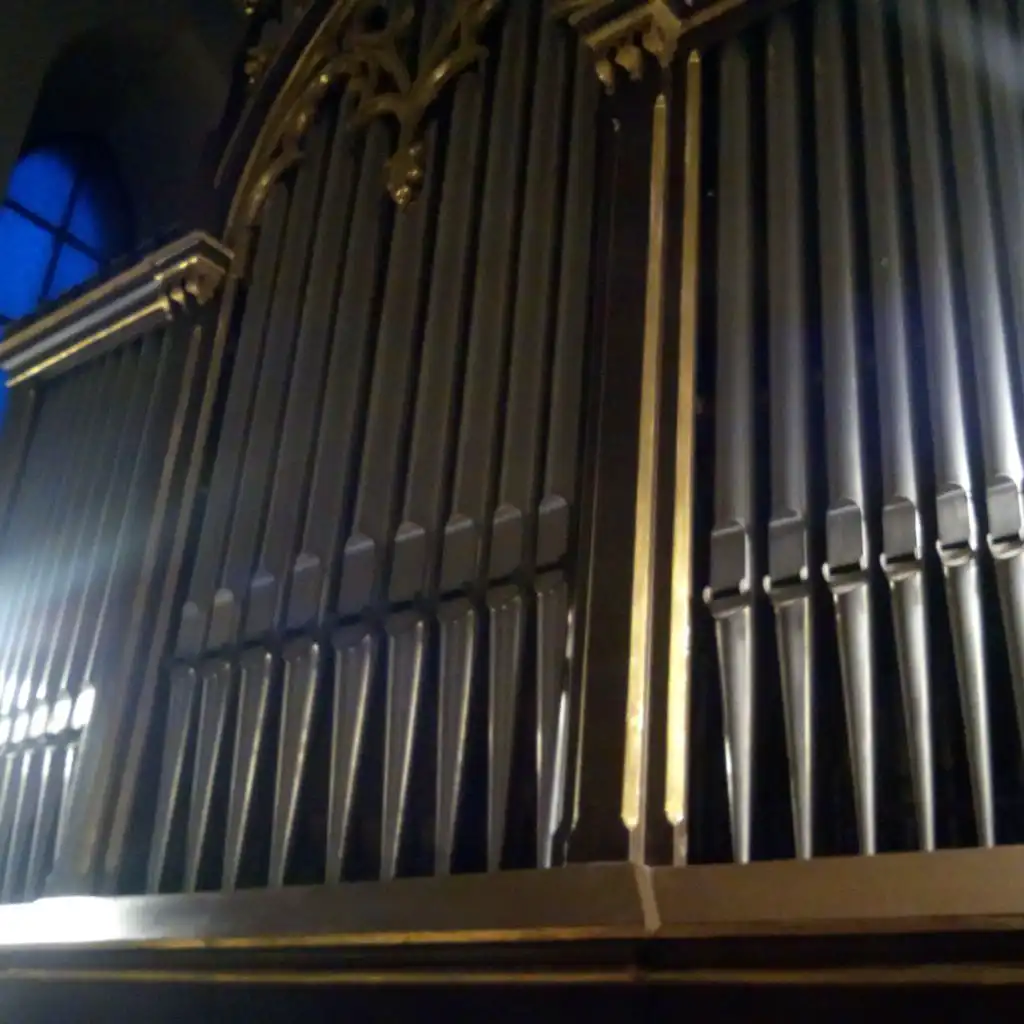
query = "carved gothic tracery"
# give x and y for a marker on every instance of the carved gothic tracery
(380, 80)
(348, 47)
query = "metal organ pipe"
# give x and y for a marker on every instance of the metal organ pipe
(788, 582)
(846, 532)
(729, 594)
(902, 539)
(957, 540)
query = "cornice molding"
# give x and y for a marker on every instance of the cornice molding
(623, 34)
(348, 48)
(150, 294)
(619, 33)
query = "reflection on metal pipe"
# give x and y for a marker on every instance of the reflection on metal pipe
(407, 640)
(46, 817)
(729, 594)
(507, 627)
(957, 526)
(902, 541)
(213, 712)
(253, 697)
(301, 677)
(23, 814)
(355, 650)
(680, 639)
(67, 778)
(788, 579)
(552, 701)
(458, 622)
(846, 536)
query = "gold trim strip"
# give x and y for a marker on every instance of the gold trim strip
(150, 294)
(211, 262)
(161, 308)
(680, 639)
(634, 782)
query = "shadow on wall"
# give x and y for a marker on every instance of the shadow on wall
(151, 93)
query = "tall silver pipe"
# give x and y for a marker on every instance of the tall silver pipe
(788, 579)
(846, 535)
(902, 538)
(729, 594)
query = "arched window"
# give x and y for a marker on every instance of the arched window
(60, 222)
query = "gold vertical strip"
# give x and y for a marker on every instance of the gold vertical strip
(634, 782)
(680, 640)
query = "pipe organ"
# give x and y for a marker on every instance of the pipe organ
(584, 457)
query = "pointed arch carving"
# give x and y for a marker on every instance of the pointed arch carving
(349, 48)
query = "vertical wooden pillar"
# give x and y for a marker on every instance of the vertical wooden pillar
(614, 646)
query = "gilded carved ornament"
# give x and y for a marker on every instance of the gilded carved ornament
(349, 47)
(620, 34)
(383, 85)
(194, 280)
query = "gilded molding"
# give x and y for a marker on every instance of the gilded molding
(620, 37)
(621, 32)
(148, 295)
(371, 60)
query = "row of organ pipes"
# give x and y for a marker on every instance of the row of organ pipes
(378, 609)
(863, 209)
(74, 522)
(891, 84)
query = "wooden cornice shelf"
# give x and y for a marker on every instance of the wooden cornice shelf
(146, 295)
(576, 903)
(949, 891)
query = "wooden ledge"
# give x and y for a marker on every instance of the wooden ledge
(575, 903)
(950, 891)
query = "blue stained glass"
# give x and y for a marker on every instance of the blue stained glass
(87, 221)
(41, 182)
(73, 267)
(25, 252)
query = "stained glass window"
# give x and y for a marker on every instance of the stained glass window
(58, 227)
